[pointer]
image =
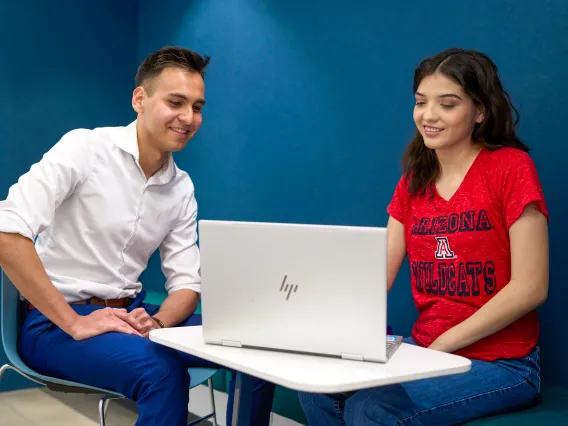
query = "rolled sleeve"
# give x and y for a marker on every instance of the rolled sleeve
(32, 201)
(11, 221)
(179, 251)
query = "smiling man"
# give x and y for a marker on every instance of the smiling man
(97, 205)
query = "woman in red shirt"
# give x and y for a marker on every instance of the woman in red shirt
(469, 213)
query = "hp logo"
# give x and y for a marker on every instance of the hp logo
(288, 287)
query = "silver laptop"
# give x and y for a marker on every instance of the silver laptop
(302, 288)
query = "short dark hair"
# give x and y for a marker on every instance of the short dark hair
(169, 57)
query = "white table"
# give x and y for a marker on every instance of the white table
(309, 373)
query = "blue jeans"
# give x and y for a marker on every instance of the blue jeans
(489, 388)
(151, 374)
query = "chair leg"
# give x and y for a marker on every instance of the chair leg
(210, 384)
(3, 369)
(103, 405)
(6, 367)
(213, 414)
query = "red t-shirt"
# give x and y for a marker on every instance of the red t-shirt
(459, 250)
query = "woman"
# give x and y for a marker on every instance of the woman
(470, 214)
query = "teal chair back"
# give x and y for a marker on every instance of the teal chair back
(10, 320)
(11, 317)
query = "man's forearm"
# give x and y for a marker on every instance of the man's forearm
(177, 307)
(20, 262)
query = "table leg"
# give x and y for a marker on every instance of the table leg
(243, 400)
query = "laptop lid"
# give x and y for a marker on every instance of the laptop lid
(307, 288)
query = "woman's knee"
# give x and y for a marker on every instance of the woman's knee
(309, 399)
(378, 406)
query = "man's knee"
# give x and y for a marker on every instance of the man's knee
(163, 369)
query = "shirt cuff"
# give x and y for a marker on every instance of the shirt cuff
(195, 287)
(11, 223)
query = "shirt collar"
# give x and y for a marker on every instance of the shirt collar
(129, 143)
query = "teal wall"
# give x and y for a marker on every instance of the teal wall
(63, 65)
(309, 108)
(309, 102)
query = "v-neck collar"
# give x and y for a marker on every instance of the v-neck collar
(465, 178)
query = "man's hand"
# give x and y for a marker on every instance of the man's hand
(140, 319)
(102, 321)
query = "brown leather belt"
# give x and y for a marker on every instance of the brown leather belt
(116, 303)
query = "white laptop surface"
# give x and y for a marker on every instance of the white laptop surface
(304, 288)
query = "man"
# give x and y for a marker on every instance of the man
(100, 202)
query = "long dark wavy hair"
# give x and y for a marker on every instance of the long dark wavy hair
(479, 77)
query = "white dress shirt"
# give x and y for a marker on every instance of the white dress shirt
(98, 219)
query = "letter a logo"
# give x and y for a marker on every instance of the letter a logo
(443, 251)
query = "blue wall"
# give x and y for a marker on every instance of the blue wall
(63, 65)
(310, 108)
(309, 103)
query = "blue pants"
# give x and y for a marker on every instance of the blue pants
(151, 374)
(488, 388)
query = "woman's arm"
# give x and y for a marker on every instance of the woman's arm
(527, 289)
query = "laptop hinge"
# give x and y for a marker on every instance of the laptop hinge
(232, 343)
(353, 357)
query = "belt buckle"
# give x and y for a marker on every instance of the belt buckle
(106, 303)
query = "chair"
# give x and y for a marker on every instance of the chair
(11, 317)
